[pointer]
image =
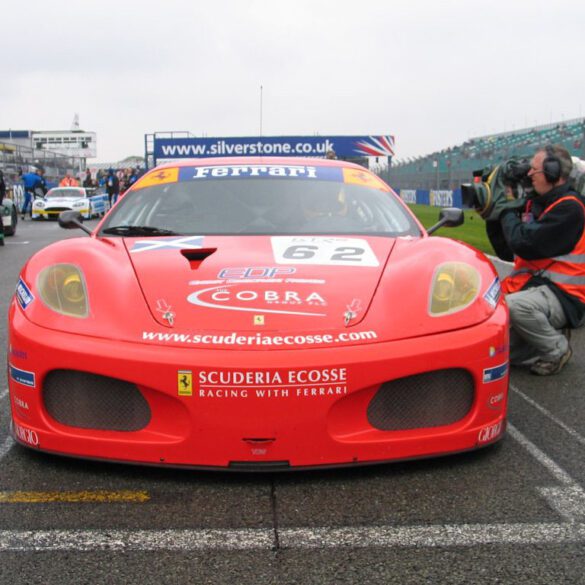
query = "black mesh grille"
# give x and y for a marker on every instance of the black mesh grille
(89, 401)
(425, 400)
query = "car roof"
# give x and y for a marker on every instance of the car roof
(68, 188)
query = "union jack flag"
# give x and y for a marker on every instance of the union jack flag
(376, 146)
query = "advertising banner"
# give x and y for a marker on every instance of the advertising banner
(343, 146)
(436, 198)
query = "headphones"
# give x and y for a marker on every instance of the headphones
(551, 166)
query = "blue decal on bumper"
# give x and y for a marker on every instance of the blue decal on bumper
(496, 373)
(23, 377)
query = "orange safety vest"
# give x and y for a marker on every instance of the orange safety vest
(68, 182)
(566, 271)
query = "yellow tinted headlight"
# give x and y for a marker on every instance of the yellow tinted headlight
(455, 286)
(62, 288)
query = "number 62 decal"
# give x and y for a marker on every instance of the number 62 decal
(323, 250)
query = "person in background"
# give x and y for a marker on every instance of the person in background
(2, 186)
(123, 178)
(88, 180)
(112, 186)
(32, 182)
(42, 190)
(546, 240)
(133, 177)
(68, 180)
(2, 196)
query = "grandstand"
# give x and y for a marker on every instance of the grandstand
(449, 168)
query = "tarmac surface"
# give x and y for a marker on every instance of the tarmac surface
(512, 513)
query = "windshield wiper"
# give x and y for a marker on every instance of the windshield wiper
(138, 230)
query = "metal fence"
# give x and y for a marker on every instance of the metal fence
(15, 158)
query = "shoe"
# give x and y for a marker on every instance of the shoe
(547, 368)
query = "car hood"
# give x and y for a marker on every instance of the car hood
(62, 201)
(251, 291)
(257, 283)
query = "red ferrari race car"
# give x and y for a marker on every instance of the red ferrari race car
(258, 314)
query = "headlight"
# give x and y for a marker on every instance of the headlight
(455, 286)
(62, 288)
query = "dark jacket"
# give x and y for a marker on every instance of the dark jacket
(112, 184)
(555, 234)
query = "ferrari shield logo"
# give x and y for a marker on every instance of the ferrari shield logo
(258, 319)
(185, 382)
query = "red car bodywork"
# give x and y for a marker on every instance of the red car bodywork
(221, 354)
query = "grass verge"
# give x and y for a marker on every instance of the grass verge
(472, 231)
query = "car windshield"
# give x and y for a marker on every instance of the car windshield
(57, 193)
(258, 206)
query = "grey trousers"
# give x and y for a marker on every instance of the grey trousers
(536, 321)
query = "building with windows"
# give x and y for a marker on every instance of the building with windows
(72, 143)
(55, 151)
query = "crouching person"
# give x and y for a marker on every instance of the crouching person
(545, 237)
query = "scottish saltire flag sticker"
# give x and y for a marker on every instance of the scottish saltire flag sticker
(23, 377)
(187, 243)
(495, 373)
(24, 295)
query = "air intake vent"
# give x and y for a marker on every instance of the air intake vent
(431, 399)
(259, 465)
(89, 401)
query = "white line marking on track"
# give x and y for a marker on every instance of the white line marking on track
(8, 442)
(136, 540)
(550, 415)
(558, 473)
(569, 499)
(6, 445)
(432, 536)
(289, 538)
(569, 502)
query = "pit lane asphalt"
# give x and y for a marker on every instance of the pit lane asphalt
(514, 513)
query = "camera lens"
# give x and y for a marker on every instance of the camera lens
(473, 195)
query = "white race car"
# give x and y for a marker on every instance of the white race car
(89, 202)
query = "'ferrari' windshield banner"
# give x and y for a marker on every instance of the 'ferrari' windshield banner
(342, 146)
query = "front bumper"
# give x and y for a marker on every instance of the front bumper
(254, 409)
(54, 213)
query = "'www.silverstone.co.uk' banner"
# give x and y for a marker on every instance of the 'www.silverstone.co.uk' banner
(344, 146)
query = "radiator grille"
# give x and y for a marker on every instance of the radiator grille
(431, 399)
(89, 401)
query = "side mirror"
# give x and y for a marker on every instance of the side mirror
(448, 217)
(71, 220)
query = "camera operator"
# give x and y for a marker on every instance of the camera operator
(544, 234)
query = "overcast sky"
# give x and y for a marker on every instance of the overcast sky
(431, 72)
